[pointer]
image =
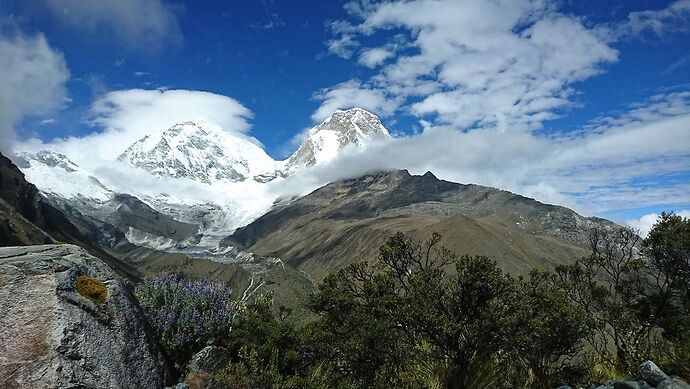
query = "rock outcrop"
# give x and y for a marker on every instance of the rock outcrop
(55, 334)
(652, 377)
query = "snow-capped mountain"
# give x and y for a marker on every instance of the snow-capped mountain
(323, 142)
(201, 152)
(232, 172)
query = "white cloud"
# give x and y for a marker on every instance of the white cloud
(343, 46)
(478, 63)
(374, 56)
(482, 76)
(352, 94)
(32, 81)
(644, 224)
(675, 17)
(142, 24)
(126, 116)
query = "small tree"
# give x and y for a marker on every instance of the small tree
(634, 289)
(666, 298)
(605, 285)
(667, 250)
(555, 329)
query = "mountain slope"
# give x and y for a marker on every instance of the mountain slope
(27, 219)
(55, 174)
(348, 220)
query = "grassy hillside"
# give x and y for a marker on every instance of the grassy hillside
(347, 221)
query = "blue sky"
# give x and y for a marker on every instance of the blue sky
(290, 63)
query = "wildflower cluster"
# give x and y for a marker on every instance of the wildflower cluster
(186, 314)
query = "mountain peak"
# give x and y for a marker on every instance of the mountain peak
(200, 151)
(353, 119)
(47, 157)
(322, 143)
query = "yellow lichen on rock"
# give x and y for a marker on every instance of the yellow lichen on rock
(92, 289)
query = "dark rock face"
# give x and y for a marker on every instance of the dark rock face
(651, 373)
(52, 336)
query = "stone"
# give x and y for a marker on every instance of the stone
(204, 365)
(52, 336)
(673, 383)
(651, 373)
(631, 385)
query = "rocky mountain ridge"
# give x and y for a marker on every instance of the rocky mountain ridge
(348, 220)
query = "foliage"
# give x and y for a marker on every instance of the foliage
(634, 292)
(263, 342)
(92, 289)
(422, 317)
(267, 351)
(667, 249)
(186, 315)
(479, 327)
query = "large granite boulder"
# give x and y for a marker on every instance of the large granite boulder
(55, 334)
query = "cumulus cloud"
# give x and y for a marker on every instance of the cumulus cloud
(483, 76)
(352, 94)
(123, 117)
(137, 23)
(32, 82)
(477, 63)
(644, 224)
(343, 46)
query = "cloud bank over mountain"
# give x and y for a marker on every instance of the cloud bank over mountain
(483, 82)
(120, 118)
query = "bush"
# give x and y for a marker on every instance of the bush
(405, 322)
(186, 315)
(92, 289)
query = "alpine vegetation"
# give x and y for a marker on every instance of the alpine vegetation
(186, 314)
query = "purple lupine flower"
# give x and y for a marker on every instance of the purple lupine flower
(186, 314)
